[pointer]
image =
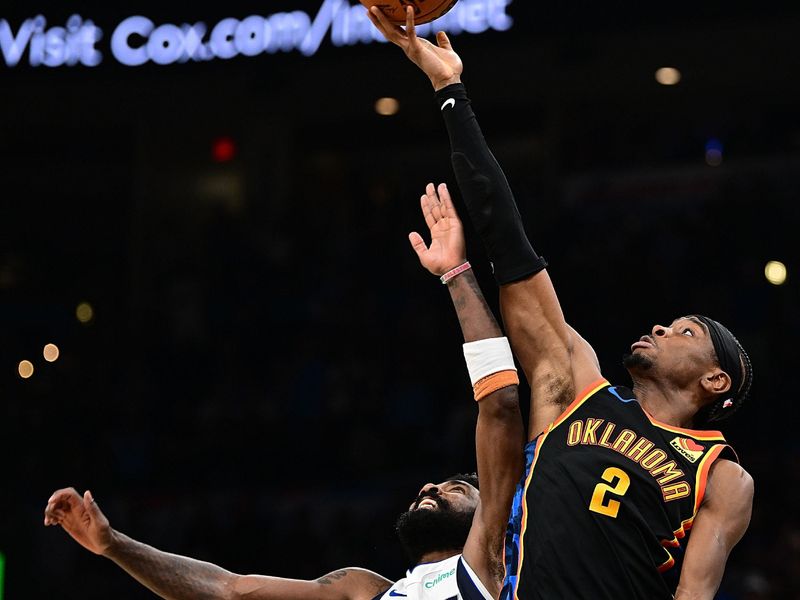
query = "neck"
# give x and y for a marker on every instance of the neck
(438, 555)
(669, 405)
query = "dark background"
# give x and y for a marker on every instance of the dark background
(270, 376)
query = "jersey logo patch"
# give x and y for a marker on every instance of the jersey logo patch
(689, 449)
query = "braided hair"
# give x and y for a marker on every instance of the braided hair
(734, 360)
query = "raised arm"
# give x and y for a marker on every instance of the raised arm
(499, 435)
(181, 578)
(720, 524)
(557, 362)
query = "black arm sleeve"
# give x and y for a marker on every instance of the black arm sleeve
(486, 192)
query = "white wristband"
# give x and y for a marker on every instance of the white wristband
(486, 357)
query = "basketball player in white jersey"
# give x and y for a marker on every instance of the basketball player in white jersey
(453, 533)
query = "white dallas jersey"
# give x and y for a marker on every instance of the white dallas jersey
(449, 579)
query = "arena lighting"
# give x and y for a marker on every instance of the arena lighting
(713, 152)
(776, 272)
(137, 40)
(84, 312)
(25, 369)
(223, 149)
(668, 76)
(387, 107)
(51, 353)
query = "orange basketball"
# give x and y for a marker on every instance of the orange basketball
(425, 11)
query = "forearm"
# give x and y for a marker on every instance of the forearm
(168, 575)
(702, 583)
(474, 315)
(486, 192)
(467, 139)
(719, 525)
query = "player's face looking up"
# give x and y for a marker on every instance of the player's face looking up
(681, 354)
(438, 519)
(449, 495)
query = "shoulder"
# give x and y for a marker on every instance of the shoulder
(729, 484)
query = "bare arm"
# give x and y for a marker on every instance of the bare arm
(181, 578)
(499, 434)
(557, 362)
(499, 438)
(720, 524)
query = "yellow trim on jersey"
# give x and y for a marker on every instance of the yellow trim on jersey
(587, 393)
(695, 433)
(679, 534)
(702, 474)
(699, 492)
(668, 564)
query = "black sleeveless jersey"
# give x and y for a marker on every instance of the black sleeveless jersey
(607, 502)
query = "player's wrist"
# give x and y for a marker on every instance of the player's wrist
(491, 366)
(112, 543)
(455, 271)
(440, 82)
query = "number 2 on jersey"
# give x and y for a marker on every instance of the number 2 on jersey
(610, 507)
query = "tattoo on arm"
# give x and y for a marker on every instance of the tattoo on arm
(332, 577)
(169, 575)
(476, 318)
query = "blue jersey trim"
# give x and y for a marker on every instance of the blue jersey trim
(614, 391)
(514, 529)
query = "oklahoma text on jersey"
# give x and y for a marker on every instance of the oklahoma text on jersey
(637, 448)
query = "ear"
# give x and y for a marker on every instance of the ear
(716, 382)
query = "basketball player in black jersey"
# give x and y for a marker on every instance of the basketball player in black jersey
(615, 479)
(453, 533)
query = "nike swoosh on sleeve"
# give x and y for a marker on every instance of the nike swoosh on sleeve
(451, 102)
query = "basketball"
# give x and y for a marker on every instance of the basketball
(425, 11)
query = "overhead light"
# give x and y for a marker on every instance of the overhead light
(776, 272)
(25, 369)
(84, 312)
(713, 152)
(51, 353)
(387, 107)
(668, 76)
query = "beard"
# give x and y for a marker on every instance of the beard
(637, 362)
(423, 531)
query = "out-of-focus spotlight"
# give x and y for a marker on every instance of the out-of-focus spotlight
(387, 107)
(668, 76)
(51, 353)
(84, 312)
(223, 149)
(25, 369)
(775, 272)
(713, 153)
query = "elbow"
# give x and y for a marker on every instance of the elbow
(232, 588)
(502, 405)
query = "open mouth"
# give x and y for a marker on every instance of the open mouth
(428, 504)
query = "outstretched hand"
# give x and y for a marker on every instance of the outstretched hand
(81, 518)
(439, 62)
(447, 250)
